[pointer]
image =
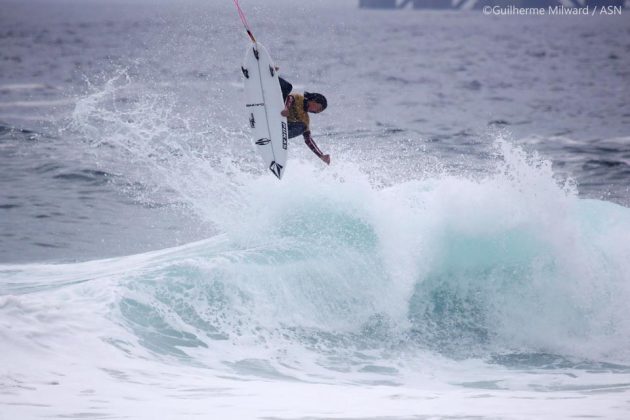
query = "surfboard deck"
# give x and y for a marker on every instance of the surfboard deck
(264, 103)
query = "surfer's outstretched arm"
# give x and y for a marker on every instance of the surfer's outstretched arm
(313, 146)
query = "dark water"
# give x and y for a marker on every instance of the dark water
(426, 91)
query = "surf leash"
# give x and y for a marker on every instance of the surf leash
(244, 20)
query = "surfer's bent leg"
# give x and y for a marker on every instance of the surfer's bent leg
(296, 128)
(286, 88)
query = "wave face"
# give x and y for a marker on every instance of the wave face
(512, 263)
(365, 255)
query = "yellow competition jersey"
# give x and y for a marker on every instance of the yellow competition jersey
(297, 113)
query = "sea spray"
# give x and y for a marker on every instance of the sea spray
(507, 261)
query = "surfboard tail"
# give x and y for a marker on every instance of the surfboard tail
(276, 168)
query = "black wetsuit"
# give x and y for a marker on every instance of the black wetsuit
(286, 88)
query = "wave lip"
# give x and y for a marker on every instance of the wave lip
(511, 263)
(326, 280)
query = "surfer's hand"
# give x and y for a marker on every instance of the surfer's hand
(284, 112)
(326, 158)
(288, 103)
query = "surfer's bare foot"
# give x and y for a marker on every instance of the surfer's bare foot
(326, 158)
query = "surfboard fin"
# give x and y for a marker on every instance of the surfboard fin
(256, 53)
(245, 72)
(276, 168)
(272, 71)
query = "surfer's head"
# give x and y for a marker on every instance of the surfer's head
(315, 102)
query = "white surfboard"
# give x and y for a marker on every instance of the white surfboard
(263, 100)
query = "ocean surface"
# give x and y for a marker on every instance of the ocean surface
(465, 255)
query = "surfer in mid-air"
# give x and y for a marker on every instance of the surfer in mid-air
(296, 109)
(265, 102)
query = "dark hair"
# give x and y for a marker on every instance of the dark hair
(316, 97)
